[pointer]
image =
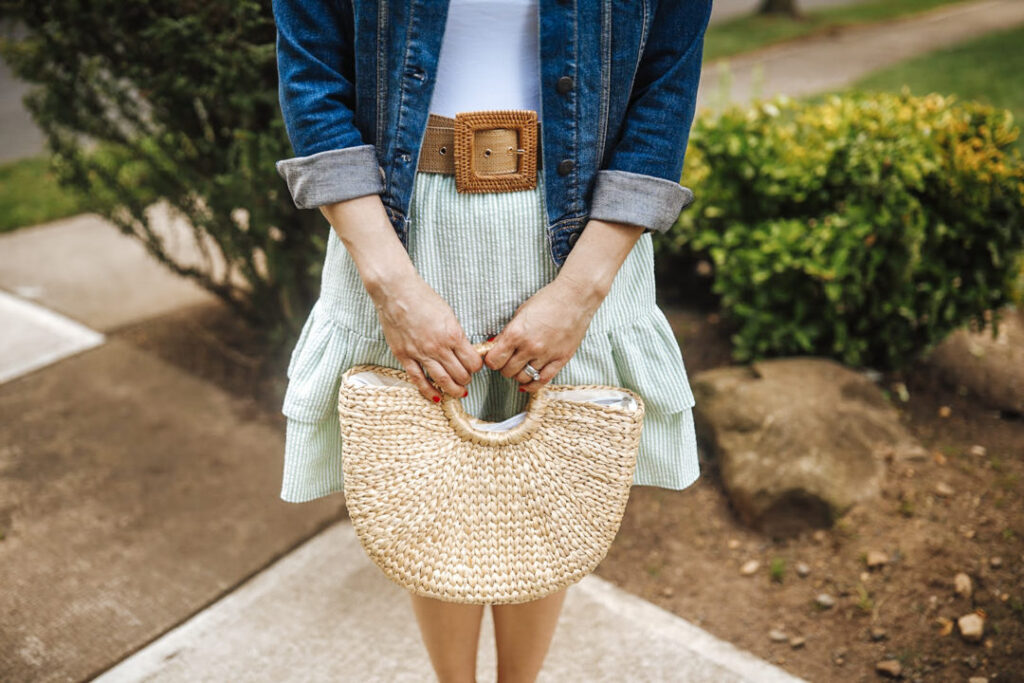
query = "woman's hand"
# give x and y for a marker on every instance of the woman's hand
(424, 334)
(545, 332)
(419, 326)
(548, 327)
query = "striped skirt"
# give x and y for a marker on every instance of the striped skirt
(485, 254)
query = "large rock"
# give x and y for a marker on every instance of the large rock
(991, 368)
(798, 440)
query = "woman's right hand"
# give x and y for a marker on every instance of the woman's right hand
(424, 334)
(419, 326)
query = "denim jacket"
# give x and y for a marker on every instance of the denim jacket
(618, 83)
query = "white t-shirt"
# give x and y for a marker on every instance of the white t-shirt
(489, 57)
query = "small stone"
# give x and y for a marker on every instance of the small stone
(978, 450)
(878, 633)
(977, 679)
(971, 626)
(825, 600)
(995, 562)
(777, 636)
(889, 667)
(802, 570)
(876, 558)
(819, 535)
(962, 585)
(668, 591)
(734, 543)
(797, 641)
(945, 626)
(945, 411)
(749, 567)
(944, 489)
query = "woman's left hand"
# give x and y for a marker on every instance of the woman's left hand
(545, 332)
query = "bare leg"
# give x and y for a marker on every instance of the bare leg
(451, 632)
(523, 633)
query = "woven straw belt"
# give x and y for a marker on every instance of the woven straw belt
(494, 150)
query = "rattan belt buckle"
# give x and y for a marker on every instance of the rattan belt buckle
(495, 150)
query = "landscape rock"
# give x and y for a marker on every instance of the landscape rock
(962, 585)
(990, 368)
(777, 635)
(799, 440)
(825, 600)
(890, 668)
(876, 558)
(749, 567)
(971, 626)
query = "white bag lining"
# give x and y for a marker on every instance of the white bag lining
(605, 397)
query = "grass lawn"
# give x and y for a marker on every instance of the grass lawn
(987, 69)
(751, 32)
(29, 195)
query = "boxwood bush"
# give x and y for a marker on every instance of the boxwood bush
(863, 227)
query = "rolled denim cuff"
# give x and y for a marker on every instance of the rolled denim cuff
(638, 199)
(332, 176)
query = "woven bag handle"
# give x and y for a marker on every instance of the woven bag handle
(460, 419)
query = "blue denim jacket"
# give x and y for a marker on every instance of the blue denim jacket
(618, 92)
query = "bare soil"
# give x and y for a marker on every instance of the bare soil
(683, 550)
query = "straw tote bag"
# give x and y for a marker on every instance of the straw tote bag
(463, 510)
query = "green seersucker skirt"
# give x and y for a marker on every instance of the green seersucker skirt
(485, 254)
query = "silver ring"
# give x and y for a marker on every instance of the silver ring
(532, 372)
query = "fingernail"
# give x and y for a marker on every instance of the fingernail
(465, 393)
(521, 389)
(437, 399)
(491, 338)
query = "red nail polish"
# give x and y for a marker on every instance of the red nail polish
(521, 389)
(465, 393)
(491, 338)
(437, 399)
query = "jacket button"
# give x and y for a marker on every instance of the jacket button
(565, 166)
(564, 84)
(572, 238)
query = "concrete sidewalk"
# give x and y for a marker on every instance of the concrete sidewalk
(822, 63)
(326, 613)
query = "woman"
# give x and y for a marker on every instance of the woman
(528, 222)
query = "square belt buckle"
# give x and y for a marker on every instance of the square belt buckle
(495, 150)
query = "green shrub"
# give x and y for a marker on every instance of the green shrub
(864, 228)
(176, 101)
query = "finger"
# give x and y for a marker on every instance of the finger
(515, 365)
(469, 357)
(547, 373)
(442, 379)
(453, 365)
(415, 372)
(499, 354)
